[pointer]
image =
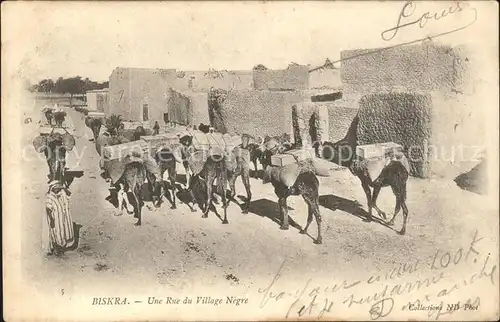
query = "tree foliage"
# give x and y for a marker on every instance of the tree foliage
(259, 67)
(72, 85)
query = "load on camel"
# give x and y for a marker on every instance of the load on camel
(293, 172)
(389, 168)
(126, 167)
(55, 145)
(213, 156)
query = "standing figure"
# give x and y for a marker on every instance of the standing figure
(58, 229)
(48, 116)
(156, 128)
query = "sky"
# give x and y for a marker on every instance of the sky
(50, 39)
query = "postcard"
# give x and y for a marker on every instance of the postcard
(250, 160)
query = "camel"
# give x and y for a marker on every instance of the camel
(129, 173)
(394, 175)
(133, 177)
(55, 146)
(239, 166)
(167, 162)
(214, 168)
(305, 184)
(95, 125)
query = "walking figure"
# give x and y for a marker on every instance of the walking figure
(58, 229)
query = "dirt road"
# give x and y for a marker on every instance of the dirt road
(176, 251)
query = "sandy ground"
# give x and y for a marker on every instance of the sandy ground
(176, 251)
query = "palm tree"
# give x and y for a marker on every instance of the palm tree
(113, 123)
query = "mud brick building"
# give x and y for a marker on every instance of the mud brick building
(423, 67)
(147, 95)
(422, 97)
(140, 94)
(97, 100)
(258, 113)
(293, 78)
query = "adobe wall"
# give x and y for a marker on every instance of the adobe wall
(258, 113)
(325, 78)
(178, 107)
(188, 107)
(201, 81)
(402, 118)
(310, 123)
(199, 108)
(458, 134)
(340, 116)
(422, 67)
(97, 101)
(91, 99)
(292, 78)
(446, 133)
(130, 88)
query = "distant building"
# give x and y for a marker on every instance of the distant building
(325, 79)
(202, 81)
(97, 100)
(145, 95)
(293, 78)
(423, 97)
(140, 94)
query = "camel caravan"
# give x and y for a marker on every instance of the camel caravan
(134, 157)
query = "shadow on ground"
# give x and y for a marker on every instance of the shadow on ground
(270, 209)
(349, 206)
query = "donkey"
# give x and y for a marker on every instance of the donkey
(395, 174)
(305, 185)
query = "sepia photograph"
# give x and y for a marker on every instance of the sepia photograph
(250, 160)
